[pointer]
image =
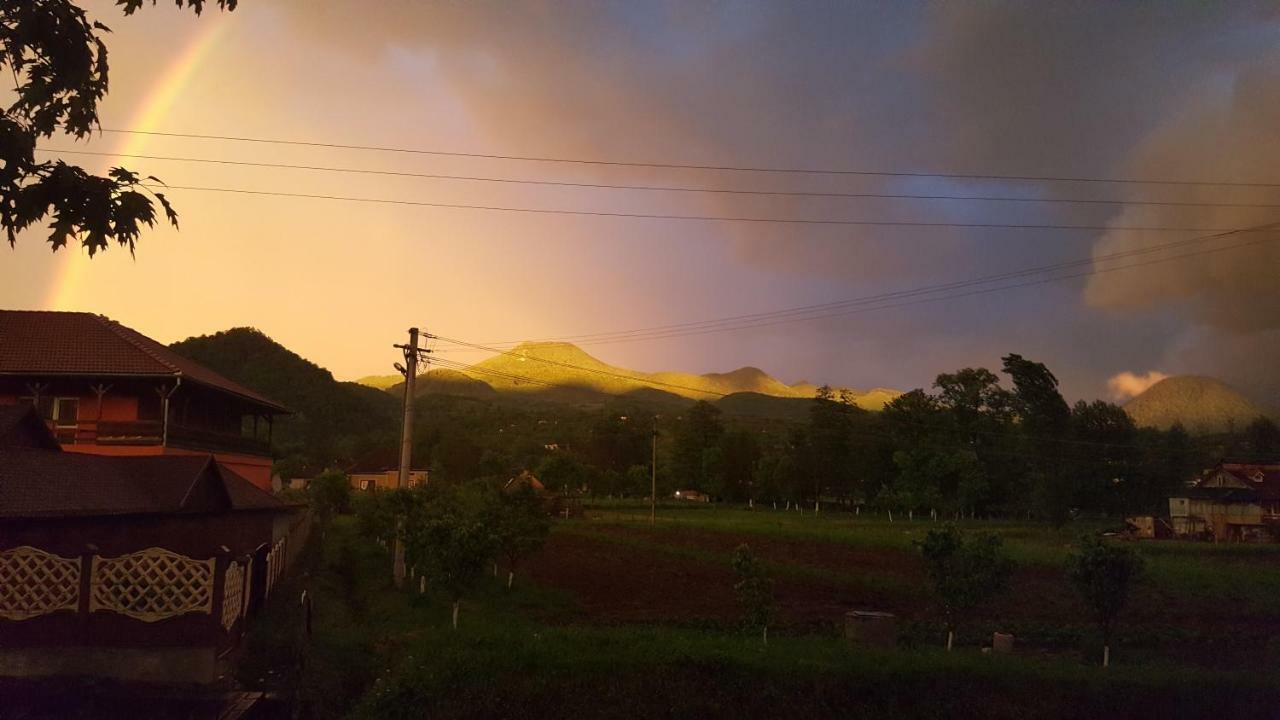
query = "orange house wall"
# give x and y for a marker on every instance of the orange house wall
(256, 470)
(114, 409)
(120, 408)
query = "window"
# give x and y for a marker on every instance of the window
(66, 411)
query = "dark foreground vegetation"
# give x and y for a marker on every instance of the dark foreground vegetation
(613, 619)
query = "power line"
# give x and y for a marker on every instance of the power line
(666, 216)
(668, 188)
(981, 291)
(456, 365)
(928, 289)
(690, 166)
(877, 302)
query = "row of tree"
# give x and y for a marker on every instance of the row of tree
(970, 446)
(454, 532)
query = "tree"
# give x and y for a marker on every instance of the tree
(1103, 575)
(794, 468)
(616, 442)
(1045, 419)
(639, 478)
(1036, 399)
(830, 430)
(447, 534)
(932, 477)
(917, 427)
(974, 397)
(58, 60)
(376, 513)
(754, 589)
(1103, 464)
(1263, 437)
(965, 570)
(561, 471)
(521, 526)
(700, 431)
(330, 495)
(739, 454)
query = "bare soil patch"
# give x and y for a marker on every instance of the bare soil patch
(681, 576)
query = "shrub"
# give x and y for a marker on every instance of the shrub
(965, 570)
(754, 589)
(1103, 574)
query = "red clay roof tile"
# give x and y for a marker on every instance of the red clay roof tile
(43, 342)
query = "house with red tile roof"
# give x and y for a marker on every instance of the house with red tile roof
(106, 389)
(1233, 501)
(134, 567)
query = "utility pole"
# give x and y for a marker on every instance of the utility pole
(410, 370)
(653, 488)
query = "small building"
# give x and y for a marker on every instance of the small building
(384, 479)
(523, 480)
(139, 568)
(105, 389)
(1231, 502)
(1148, 527)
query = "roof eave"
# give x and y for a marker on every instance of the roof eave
(276, 408)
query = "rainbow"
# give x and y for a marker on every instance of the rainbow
(71, 264)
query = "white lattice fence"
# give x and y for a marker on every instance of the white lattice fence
(275, 564)
(34, 582)
(152, 584)
(232, 594)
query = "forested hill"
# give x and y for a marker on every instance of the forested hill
(557, 369)
(1202, 405)
(333, 422)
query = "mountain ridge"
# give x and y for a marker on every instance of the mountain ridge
(566, 370)
(1203, 405)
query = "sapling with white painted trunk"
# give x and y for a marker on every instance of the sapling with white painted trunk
(448, 530)
(1103, 574)
(521, 526)
(965, 569)
(754, 589)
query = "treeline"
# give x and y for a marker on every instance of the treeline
(968, 445)
(333, 424)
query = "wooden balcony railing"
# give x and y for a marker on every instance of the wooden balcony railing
(152, 432)
(200, 439)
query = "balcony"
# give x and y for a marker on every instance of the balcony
(212, 441)
(151, 433)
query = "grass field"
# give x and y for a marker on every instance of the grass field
(615, 618)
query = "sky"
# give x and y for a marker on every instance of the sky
(1171, 91)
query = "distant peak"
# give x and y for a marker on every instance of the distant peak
(529, 345)
(745, 372)
(550, 350)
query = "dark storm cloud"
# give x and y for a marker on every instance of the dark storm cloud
(1081, 89)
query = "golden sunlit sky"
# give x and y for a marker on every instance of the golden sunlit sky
(1183, 91)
